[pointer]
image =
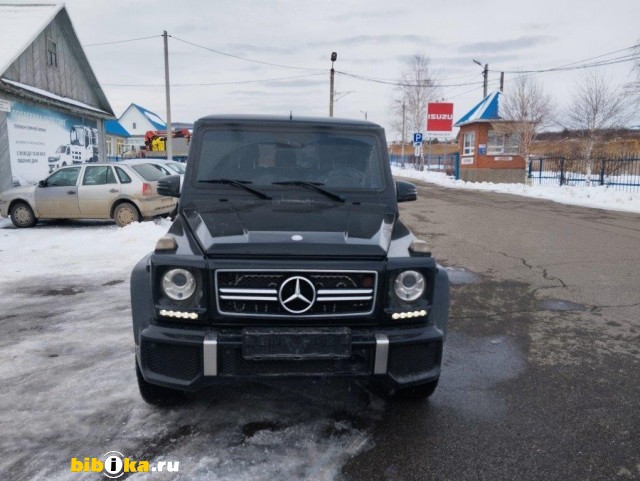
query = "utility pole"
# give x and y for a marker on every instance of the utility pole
(403, 133)
(334, 57)
(485, 74)
(169, 146)
(501, 81)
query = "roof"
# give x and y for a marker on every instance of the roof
(485, 111)
(152, 117)
(113, 127)
(20, 25)
(21, 22)
(330, 121)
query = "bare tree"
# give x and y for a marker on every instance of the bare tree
(529, 109)
(417, 86)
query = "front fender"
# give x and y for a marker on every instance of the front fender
(141, 297)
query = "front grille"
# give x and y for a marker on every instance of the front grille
(173, 360)
(413, 359)
(233, 364)
(261, 293)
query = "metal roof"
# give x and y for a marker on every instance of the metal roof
(487, 110)
(115, 128)
(152, 117)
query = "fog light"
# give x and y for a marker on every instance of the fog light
(178, 314)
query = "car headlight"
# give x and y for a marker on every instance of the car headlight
(409, 285)
(179, 284)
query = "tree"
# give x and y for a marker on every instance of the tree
(529, 110)
(417, 86)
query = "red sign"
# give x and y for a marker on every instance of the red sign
(439, 117)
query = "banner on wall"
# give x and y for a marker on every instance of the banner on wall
(41, 141)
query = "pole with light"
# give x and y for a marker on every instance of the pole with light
(404, 110)
(334, 57)
(167, 88)
(485, 75)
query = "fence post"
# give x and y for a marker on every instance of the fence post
(456, 165)
(602, 171)
(562, 179)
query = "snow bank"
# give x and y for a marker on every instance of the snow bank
(596, 197)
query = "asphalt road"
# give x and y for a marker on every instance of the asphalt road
(541, 376)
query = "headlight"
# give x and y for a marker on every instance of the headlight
(409, 285)
(179, 284)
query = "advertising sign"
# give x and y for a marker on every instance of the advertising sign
(41, 141)
(439, 117)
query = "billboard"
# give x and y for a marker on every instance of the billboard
(439, 117)
(41, 141)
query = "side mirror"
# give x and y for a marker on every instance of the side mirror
(406, 191)
(42, 183)
(169, 186)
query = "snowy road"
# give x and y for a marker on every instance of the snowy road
(540, 381)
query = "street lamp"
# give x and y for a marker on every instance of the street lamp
(334, 57)
(485, 75)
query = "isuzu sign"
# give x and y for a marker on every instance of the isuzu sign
(439, 117)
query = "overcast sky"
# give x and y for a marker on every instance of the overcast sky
(373, 38)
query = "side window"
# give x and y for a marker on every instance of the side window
(98, 175)
(64, 177)
(52, 54)
(123, 176)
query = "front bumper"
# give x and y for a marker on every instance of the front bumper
(194, 359)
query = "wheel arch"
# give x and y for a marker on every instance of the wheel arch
(123, 200)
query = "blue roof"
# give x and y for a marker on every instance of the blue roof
(486, 110)
(113, 127)
(152, 117)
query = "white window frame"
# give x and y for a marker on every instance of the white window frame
(468, 148)
(501, 144)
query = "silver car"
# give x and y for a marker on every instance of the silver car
(124, 193)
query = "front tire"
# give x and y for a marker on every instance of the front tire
(125, 214)
(158, 395)
(22, 215)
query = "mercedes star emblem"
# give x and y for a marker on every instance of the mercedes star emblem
(297, 294)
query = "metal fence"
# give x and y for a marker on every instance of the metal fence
(622, 173)
(447, 163)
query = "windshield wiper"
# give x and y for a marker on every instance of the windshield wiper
(238, 183)
(312, 185)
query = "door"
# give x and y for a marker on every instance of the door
(58, 197)
(97, 191)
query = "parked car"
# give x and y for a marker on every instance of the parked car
(288, 258)
(167, 167)
(124, 193)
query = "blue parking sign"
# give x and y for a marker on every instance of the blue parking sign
(417, 138)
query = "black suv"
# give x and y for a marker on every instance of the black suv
(288, 258)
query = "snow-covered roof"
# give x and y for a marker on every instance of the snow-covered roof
(20, 24)
(152, 117)
(115, 128)
(487, 110)
(58, 98)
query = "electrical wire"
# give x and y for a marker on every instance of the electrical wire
(226, 54)
(236, 82)
(121, 41)
(401, 84)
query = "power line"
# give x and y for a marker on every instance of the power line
(226, 54)
(236, 82)
(401, 84)
(122, 41)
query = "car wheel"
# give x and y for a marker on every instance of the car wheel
(158, 395)
(421, 391)
(125, 214)
(22, 215)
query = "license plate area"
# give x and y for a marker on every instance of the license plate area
(300, 344)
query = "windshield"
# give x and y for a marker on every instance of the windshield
(176, 167)
(62, 149)
(339, 161)
(149, 172)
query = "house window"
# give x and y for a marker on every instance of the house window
(134, 125)
(502, 143)
(469, 143)
(52, 54)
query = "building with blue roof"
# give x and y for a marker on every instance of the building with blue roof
(138, 120)
(489, 147)
(117, 138)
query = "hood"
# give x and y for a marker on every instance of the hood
(292, 228)
(25, 191)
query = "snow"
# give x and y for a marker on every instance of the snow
(59, 98)
(67, 364)
(599, 197)
(20, 24)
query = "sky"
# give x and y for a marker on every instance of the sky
(373, 38)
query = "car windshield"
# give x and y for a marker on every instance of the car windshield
(61, 149)
(338, 161)
(149, 172)
(176, 167)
